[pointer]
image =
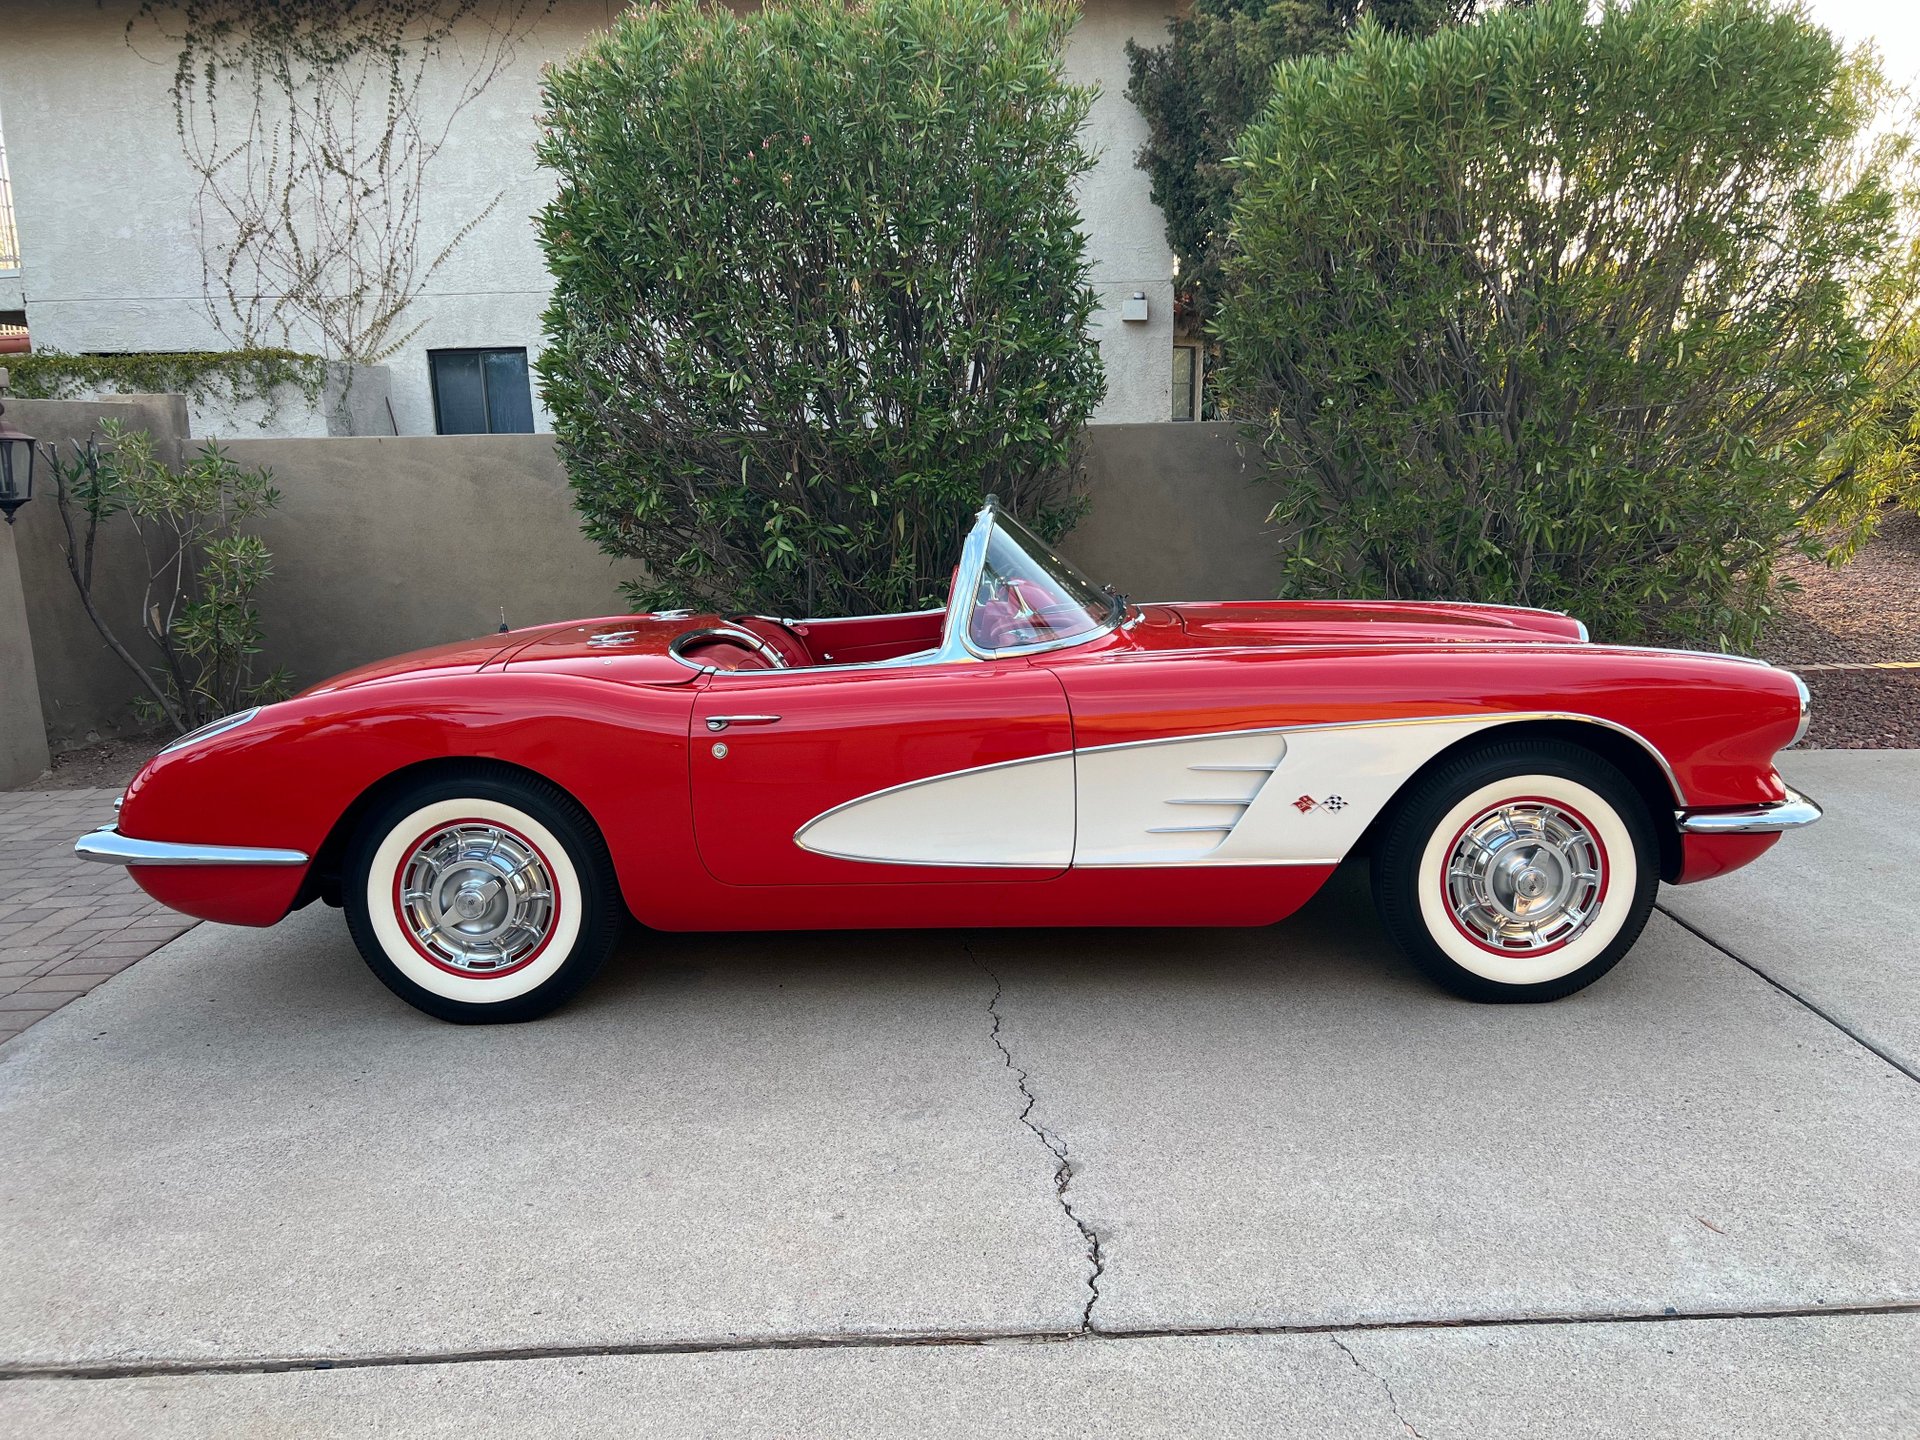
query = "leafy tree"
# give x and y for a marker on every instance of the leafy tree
(197, 608)
(1874, 461)
(1569, 307)
(818, 286)
(1198, 91)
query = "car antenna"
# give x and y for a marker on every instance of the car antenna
(503, 620)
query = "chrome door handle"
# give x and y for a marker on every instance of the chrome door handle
(717, 723)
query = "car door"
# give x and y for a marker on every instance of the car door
(951, 771)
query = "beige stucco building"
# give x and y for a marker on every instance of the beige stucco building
(110, 262)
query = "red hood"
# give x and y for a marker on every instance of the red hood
(1367, 622)
(638, 647)
(459, 656)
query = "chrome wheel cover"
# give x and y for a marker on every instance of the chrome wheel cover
(1525, 877)
(476, 898)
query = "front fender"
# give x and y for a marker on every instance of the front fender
(286, 779)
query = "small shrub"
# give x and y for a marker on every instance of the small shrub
(818, 286)
(202, 570)
(1571, 308)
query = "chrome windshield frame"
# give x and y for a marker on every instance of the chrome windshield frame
(956, 641)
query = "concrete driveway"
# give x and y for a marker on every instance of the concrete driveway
(1145, 1183)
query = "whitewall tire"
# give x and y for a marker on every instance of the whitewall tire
(482, 896)
(1518, 871)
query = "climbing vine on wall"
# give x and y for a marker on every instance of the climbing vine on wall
(201, 375)
(311, 127)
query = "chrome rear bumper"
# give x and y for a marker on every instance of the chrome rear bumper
(1788, 814)
(108, 846)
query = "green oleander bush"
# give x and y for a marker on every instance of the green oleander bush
(1604, 310)
(819, 285)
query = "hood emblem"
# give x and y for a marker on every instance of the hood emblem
(613, 637)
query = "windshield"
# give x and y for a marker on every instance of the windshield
(1027, 595)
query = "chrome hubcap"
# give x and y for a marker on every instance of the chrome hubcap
(1525, 876)
(477, 898)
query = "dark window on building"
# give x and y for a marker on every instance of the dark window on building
(481, 392)
(1186, 366)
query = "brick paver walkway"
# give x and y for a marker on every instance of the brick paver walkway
(66, 924)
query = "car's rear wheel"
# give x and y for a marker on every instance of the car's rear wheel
(482, 897)
(1521, 871)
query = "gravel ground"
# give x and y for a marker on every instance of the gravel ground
(109, 764)
(1865, 612)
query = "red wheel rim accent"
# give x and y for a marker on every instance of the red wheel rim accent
(1526, 951)
(405, 922)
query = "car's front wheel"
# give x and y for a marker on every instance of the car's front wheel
(1521, 871)
(482, 897)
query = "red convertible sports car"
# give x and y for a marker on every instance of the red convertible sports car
(1038, 752)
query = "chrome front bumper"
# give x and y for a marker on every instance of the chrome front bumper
(1788, 814)
(108, 846)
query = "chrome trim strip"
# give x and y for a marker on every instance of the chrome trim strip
(1492, 717)
(830, 619)
(211, 729)
(1197, 862)
(109, 847)
(1788, 814)
(1707, 654)
(717, 723)
(1191, 829)
(1806, 710)
(1492, 720)
(734, 633)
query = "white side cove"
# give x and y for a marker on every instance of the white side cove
(1286, 796)
(1019, 814)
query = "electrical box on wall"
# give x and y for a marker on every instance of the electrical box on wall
(1134, 307)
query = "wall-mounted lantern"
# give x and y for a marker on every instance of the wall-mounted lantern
(16, 462)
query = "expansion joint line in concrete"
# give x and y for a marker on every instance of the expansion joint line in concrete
(156, 1366)
(1056, 1146)
(1791, 993)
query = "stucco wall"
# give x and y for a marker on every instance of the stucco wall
(1127, 237)
(103, 196)
(385, 545)
(23, 743)
(1176, 514)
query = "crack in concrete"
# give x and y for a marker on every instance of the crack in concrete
(1056, 1147)
(1386, 1387)
(153, 1366)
